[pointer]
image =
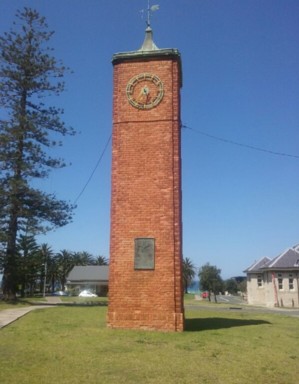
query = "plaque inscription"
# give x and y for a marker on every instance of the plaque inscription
(144, 253)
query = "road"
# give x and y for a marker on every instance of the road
(236, 303)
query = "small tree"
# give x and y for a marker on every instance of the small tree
(231, 286)
(28, 73)
(188, 273)
(210, 280)
(242, 285)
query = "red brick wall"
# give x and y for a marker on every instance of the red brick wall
(146, 202)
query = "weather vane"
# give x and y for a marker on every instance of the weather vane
(150, 9)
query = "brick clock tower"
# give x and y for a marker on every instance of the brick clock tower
(145, 272)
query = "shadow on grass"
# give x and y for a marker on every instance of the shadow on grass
(196, 325)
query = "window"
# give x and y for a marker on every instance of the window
(291, 282)
(280, 281)
(259, 281)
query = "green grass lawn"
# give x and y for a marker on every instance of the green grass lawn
(71, 344)
(13, 304)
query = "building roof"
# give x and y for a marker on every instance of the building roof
(89, 273)
(289, 259)
(257, 265)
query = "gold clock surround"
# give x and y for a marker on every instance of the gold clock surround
(145, 91)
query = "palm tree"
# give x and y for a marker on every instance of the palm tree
(188, 273)
(83, 258)
(28, 268)
(101, 260)
(65, 261)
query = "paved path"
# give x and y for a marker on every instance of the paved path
(8, 316)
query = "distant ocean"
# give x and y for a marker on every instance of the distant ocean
(194, 287)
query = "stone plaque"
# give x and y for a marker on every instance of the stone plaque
(144, 253)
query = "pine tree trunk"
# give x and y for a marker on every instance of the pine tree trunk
(10, 267)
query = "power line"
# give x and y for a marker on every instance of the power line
(240, 144)
(252, 147)
(93, 172)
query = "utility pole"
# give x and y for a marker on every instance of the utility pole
(45, 280)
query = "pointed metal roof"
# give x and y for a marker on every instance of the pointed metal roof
(148, 44)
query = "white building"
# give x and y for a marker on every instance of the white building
(275, 282)
(90, 277)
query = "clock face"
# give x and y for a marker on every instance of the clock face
(145, 91)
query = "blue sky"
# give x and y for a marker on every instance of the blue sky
(240, 83)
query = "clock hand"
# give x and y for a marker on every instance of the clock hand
(145, 90)
(144, 93)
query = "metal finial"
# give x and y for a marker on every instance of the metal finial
(148, 44)
(150, 9)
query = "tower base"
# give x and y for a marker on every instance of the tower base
(147, 321)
